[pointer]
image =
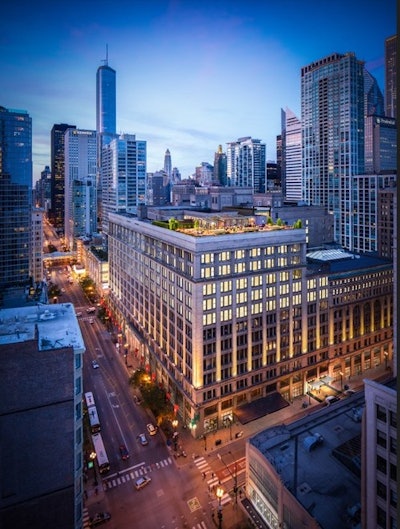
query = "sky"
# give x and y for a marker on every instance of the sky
(190, 75)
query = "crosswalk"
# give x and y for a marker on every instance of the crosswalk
(85, 518)
(132, 474)
(201, 525)
(213, 480)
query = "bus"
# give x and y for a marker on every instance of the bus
(89, 399)
(101, 455)
(94, 420)
(92, 412)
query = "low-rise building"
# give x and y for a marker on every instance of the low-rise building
(41, 457)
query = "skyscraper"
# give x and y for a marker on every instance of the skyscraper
(123, 176)
(291, 156)
(332, 119)
(105, 120)
(168, 164)
(390, 76)
(246, 164)
(57, 175)
(106, 114)
(15, 196)
(220, 167)
(80, 184)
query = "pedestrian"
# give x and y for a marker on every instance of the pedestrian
(212, 474)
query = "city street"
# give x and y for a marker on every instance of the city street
(183, 490)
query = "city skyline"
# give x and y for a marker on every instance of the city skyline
(188, 78)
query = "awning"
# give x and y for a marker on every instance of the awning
(326, 379)
(315, 384)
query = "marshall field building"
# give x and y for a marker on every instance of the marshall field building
(229, 312)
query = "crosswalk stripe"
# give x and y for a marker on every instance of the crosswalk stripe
(212, 482)
(203, 525)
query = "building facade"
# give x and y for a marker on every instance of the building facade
(231, 314)
(37, 270)
(380, 145)
(80, 185)
(246, 164)
(41, 353)
(391, 76)
(220, 168)
(15, 197)
(123, 176)
(57, 211)
(106, 119)
(362, 235)
(291, 156)
(379, 463)
(332, 120)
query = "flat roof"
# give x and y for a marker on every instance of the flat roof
(325, 479)
(55, 326)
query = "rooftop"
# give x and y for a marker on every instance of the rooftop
(55, 326)
(325, 478)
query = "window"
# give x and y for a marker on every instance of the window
(380, 413)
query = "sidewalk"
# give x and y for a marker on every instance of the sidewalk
(295, 411)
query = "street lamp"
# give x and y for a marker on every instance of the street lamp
(219, 492)
(233, 476)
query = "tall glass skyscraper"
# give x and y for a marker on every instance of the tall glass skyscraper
(105, 120)
(15, 196)
(106, 100)
(332, 118)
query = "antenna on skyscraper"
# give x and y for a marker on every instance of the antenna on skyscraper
(105, 61)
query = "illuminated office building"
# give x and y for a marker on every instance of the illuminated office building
(235, 311)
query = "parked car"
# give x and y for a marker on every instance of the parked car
(348, 392)
(91, 321)
(78, 314)
(90, 310)
(95, 364)
(331, 399)
(151, 429)
(99, 518)
(142, 482)
(143, 439)
(124, 452)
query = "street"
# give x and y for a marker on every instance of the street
(182, 493)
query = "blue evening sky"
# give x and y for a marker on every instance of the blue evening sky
(190, 74)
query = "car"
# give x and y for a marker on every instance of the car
(143, 439)
(348, 392)
(78, 314)
(331, 399)
(142, 482)
(63, 290)
(99, 518)
(95, 364)
(91, 321)
(151, 429)
(90, 310)
(124, 452)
